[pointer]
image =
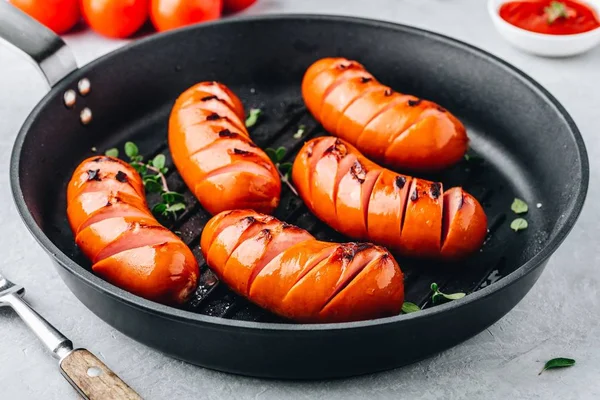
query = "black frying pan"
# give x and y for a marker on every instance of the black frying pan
(530, 146)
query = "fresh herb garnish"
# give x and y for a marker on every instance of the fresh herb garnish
(299, 132)
(284, 169)
(558, 363)
(153, 175)
(556, 10)
(114, 152)
(253, 117)
(438, 297)
(519, 206)
(409, 307)
(519, 224)
(473, 157)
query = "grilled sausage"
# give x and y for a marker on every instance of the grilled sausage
(113, 227)
(214, 155)
(396, 130)
(360, 199)
(284, 269)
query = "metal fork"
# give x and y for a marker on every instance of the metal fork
(84, 371)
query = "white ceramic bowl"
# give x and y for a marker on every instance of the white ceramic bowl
(542, 44)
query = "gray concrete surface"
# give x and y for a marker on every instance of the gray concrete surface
(558, 318)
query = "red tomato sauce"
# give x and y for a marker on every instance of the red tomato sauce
(541, 16)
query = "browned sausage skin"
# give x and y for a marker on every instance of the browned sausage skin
(114, 228)
(215, 155)
(397, 130)
(358, 198)
(286, 270)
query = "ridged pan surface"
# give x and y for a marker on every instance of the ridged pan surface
(523, 144)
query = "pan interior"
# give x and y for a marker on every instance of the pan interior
(521, 144)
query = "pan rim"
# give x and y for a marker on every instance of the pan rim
(181, 315)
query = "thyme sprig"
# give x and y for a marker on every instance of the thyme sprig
(284, 169)
(153, 173)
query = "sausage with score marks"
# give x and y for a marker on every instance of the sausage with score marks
(362, 200)
(284, 269)
(399, 131)
(114, 228)
(214, 154)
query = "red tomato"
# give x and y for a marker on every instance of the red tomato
(171, 14)
(58, 15)
(233, 6)
(115, 18)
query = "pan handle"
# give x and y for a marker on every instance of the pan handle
(46, 49)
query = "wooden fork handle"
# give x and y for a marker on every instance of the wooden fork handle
(93, 379)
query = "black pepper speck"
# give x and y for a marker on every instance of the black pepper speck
(93, 175)
(226, 133)
(435, 190)
(400, 182)
(121, 176)
(415, 195)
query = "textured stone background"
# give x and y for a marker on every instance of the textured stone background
(558, 318)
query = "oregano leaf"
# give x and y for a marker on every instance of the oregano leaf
(558, 363)
(519, 224)
(175, 207)
(152, 186)
(159, 208)
(253, 115)
(408, 307)
(439, 297)
(299, 132)
(131, 150)
(272, 154)
(519, 206)
(114, 152)
(285, 168)
(159, 161)
(280, 153)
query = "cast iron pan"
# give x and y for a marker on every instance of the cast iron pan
(529, 147)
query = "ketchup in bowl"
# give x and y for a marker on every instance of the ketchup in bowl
(564, 17)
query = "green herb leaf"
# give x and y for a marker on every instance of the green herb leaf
(409, 307)
(140, 168)
(131, 150)
(159, 161)
(164, 170)
(172, 197)
(114, 152)
(175, 207)
(556, 10)
(474, 158)
(160, 208)
(438, 297)
(519, 206)
(558, 363)
(453, 296)
(519, 224)
(299, 132)
(280, 153)
(272, 154)
(152, 186)
(154, 178)
(252, 117)
(285, 168)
